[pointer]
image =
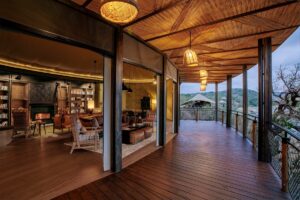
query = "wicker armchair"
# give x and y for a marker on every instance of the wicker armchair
(82, 138)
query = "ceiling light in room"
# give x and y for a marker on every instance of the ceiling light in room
(124, 87)
(119, 11)
(129, 90)
(190, 58)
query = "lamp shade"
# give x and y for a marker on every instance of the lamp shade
(204, 81)
(119, 11)
(203, 74)
(91, 104)
(190, 58)
(202, 87)
(129, 90)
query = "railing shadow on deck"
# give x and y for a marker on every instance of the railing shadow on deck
(284, 145)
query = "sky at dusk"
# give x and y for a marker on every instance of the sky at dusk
(287, 54)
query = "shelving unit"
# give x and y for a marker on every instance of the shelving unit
(19, 97)
(4, 104)
(63, 102)
(79, 98)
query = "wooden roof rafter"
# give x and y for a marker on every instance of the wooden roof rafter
(234, 38)
(278, 5)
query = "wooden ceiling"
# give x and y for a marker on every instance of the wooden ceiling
(224, 32)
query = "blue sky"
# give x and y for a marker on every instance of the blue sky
(287, 54)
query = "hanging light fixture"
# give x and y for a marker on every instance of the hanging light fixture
(203, 74)
(124, 87)
(119, 11)
(204, 82)
(202, 87)
(190, 57)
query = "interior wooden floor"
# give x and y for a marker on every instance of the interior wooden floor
(42, 168)
(205, 161)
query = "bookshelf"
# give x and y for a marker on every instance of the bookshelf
(4, 104)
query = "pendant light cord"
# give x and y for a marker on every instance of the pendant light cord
(190, 39)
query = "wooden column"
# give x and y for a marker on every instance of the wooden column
(176, 108)
(229, 101)
(264, 97)
(117, 75)
(216, 101)
(245, 100)
(162, 106)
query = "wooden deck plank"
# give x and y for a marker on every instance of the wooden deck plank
(205, 161)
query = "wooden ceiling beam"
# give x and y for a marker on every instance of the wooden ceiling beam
(234, 38)
(215, 65)
(156, 12)
(184, 12)
(86, 3)
(226, 51)
(234, 17)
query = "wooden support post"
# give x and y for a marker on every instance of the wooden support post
(245, 100)
(222, 117)
(216, 100)
(237, 122)
(176, 106)
(229, 101)
(285, 164)
(264, 97)
(253, 133)
(117, 75)
(162, 105)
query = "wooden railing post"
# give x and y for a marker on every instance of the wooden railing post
(253, 132)
(237, 121)
(285, 164)
(222, 117)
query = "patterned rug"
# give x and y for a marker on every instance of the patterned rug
(127, 149)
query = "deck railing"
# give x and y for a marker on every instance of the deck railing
(284, 145)
(285, 152)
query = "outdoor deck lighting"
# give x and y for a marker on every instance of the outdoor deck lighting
(204, 82)
(203, 74)
(190, 57)
(119, 11)
(203, 87)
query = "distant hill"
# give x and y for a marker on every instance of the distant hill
(237, 96)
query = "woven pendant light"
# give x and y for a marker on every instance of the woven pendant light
(190, 57)
(203, 74)
(203, 87)
(119, 11)
(204, 82)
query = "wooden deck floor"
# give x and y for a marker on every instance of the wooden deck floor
(205, 161)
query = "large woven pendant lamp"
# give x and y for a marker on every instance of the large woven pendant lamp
(204, 81)
(190, 57)
(203, 74)
(119, 11)
(202, 87)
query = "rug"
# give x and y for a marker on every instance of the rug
(127, 149)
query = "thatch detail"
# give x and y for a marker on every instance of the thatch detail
(225, 33)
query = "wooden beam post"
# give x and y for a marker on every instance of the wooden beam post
(245, 100)
(216, 101)
(229, 101)
(264, 97)
(117, 75)
(162, 105)
(177, 106)
(285, 164)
